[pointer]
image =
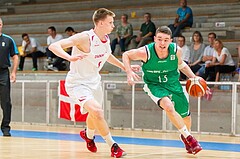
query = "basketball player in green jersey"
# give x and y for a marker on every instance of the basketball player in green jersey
(161, 64)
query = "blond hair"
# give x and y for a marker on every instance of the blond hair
(101, 14)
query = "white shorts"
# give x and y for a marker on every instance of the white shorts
(82, 93)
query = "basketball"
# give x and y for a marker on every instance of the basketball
(196, 86)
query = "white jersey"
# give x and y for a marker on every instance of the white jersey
(86, 70)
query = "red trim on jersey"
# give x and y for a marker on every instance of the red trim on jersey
(107, 37)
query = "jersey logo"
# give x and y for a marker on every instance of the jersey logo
(3, 44)
(99, 64)
(96, 43)
(172, 57)
(98, 56)
(162, 61)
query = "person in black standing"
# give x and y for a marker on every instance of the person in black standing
(7, 48)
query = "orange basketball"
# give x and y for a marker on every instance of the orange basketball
(196, 86)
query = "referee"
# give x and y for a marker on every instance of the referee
(7, 48)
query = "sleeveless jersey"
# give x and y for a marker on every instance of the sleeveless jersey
(86, 71)
(162, 72)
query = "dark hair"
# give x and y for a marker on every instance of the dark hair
(165, 30)
(125, 15)
(52, 28)
(214, 34)
(200, 35)
(181, 36)
(24, 34)
(149, 14)
(69, 29)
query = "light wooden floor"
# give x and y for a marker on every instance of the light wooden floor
(48, 142)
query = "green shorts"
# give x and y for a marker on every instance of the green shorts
(156, 92)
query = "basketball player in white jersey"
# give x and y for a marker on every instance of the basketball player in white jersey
(91, 49)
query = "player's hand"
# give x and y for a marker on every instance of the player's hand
(13, 77)
(176, 24)
(208, 91)
(135, 68)
(76, 57)
(209, 94)
(132, 77)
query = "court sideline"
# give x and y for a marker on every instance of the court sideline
(50, 142)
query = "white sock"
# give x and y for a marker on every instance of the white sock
(90, 133)
(109, 140)
(184, 131)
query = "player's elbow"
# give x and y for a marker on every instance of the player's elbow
(125, 56)
(52, 47)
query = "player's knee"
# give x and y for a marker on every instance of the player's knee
(98, 114)
(169, 107)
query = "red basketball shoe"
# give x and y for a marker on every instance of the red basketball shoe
(90, 142)
(116, 151)
(187, 146)
(193, 143)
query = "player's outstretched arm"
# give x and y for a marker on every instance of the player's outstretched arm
(128, 56)
(114, 61)
(79, 40)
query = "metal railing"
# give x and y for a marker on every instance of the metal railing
(128, 107)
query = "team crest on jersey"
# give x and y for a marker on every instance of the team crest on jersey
(3, 44)
(96, 43)
(172, 57)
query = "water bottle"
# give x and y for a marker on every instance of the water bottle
(223, 86)
(227, 79)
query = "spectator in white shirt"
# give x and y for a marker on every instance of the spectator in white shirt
(185, 49)
(207, 58)
(59, 63)
(30, 48)
(222, 60)
(53, 37)
(185, 52)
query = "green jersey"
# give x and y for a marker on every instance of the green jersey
(161, 77)
(162, 72)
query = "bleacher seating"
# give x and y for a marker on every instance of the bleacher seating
(35, 16)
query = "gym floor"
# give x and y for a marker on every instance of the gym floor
(40, 141)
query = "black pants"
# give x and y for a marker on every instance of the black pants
(121, 43)
(219, 69)
(50, 54)
(58, 63)
(5, 99)
(209, 74)
(34, 56)
(176, 30)
(195, 68)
